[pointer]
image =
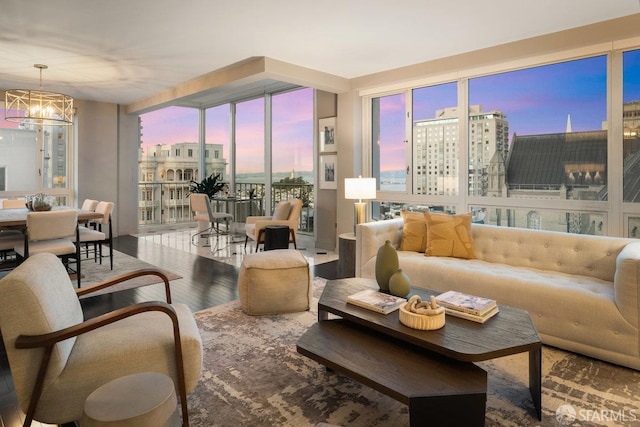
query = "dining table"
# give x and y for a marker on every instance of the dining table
(17, 218)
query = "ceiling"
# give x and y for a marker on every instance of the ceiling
(122, 51)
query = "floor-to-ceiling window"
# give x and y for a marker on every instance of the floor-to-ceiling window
(292, 172)
(389, 142)
(526, 147)
(540, 134)
(169, 153)
(217, 153)
(249, 143)
(35, 159)
(237, 148)
(436, 135)
(631, 136)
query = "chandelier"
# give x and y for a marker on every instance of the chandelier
(38, 107)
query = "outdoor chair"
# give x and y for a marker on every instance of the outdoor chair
(202, 211)
(285, 213)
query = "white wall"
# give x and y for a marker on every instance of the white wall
(107, 160)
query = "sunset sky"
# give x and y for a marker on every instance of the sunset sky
(292, 130)
(536, 101)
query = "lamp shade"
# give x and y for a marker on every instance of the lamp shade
(360, 188)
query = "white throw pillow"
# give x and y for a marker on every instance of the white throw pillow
(282, 210)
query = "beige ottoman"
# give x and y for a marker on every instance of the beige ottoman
(272, 282)
(146, 399)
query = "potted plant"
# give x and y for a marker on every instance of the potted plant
(209, 186)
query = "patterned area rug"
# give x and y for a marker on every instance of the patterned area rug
(253, 376)
(93, 272)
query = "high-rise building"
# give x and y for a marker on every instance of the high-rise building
(435, 153)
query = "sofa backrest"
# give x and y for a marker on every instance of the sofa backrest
(593, 256)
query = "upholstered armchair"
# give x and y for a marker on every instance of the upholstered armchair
(285, 213)
(57, 358)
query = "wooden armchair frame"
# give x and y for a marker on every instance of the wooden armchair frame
(48, 341)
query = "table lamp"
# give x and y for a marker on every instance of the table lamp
(358, 189)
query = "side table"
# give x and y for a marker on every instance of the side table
(347, 255)
(276, 237)
(136, 400)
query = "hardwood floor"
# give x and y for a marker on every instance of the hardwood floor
(206, 283)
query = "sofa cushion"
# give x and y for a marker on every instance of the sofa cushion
(449, 235)
(414, 231)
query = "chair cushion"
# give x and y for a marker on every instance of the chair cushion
(91, 235)
(56, 247)
(10, 241)
(282, 210)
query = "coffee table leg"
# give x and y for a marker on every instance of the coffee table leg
(323, 315)
(535, 379)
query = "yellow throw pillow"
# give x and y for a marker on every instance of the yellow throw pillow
(449, 235)
(414, 231)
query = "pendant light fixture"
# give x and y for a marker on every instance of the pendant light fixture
(38, 107)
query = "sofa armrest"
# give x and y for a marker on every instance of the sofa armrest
(371, 235)
(626, 282)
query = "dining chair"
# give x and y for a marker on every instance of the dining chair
(52, 232)
(89, 205)
(202, 211)
(8, 235)
(99, 237)
(8, 240)
(13, 203)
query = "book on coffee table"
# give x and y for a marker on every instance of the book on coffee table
(474, 318)
(471, 304)
(376, 301)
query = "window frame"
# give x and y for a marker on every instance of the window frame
(616, 212)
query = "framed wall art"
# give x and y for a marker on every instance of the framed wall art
(329, 172)
(327, 135)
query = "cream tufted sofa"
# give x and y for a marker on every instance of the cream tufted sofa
(582, 292)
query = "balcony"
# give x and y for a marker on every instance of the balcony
(249, 200)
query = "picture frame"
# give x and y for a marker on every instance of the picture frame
(328, 172)
(327, 135)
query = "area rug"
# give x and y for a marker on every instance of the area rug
(253, 376)
(93, 272)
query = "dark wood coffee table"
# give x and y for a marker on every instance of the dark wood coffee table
(511, 331)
